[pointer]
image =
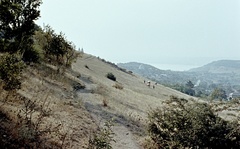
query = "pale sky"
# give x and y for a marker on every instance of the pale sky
(158, 32)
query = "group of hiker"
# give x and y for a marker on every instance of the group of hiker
(148, 83)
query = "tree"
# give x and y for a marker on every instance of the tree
(181, 123)
(71, 55)
(189, 84)
(11, 67)
(189, 88)
(17, 25)
(218, 93)
(56, 47)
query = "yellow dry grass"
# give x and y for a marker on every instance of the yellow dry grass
(81, 112)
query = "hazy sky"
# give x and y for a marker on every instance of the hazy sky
(159, 32)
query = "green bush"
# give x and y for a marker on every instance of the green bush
(111, 76)
(11, 67)
(33, 55)
(181, 124)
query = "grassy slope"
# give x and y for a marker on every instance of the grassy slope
(80, 112)
(128, 106)
(135, 95)
(55, 93)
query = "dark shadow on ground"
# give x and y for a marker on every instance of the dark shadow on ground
(102, 112)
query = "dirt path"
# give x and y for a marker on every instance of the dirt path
(123, 136)
(92, 97)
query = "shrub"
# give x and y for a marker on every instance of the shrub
(31, 129)
(11, 67)
(86, 66)
(118, 86)
(32, 55)
(180, 124)
(111, 76)
(78, 86)
(105, 102)
(57, 49)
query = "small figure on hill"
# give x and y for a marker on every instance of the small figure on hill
(148, 83)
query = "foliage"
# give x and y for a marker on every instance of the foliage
(218, 93)
(178, 87)
(11, 67)
(181, 124)
(189, 84)
(102, 139)
(17, 26)
(55, 47)
(111, 76)
(189, 88)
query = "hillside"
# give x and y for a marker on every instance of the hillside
(221, 66)
(78, 102)
(74, 102)
(55, 97)
(128, 106)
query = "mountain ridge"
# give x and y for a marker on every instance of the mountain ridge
(205, 78)
(220, 66)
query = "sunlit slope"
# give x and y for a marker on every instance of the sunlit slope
(135, 97)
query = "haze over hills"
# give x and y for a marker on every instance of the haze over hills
(224, 74)
(153, 73)
(221, 66)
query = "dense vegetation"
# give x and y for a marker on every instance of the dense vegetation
(188, 124)
(23, 42)
(23, 45)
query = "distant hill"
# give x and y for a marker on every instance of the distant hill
(224, 74)
(153, 73)
(221, 66)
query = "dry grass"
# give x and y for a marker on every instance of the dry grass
(118, 86)
(45, 97)
(128, 100)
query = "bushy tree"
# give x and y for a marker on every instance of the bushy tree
(55, 47)
(189, 88)
(11, 67)
(17, 26)
(218, 93)
(181, 124)
(189, 84)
